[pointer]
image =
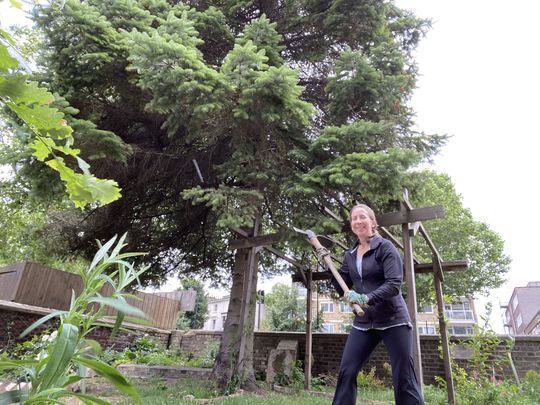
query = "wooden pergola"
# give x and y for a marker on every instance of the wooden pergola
(410, 220)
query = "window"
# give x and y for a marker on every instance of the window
(515, 303)
(428, 309)
(327, 307)
(461, 311)
(460, 330)
(223, 319)
(327, 328)
(213, 323)
(519, 320)
(345, 308)
(215, 307)
(426, 330)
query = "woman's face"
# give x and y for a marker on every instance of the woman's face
(361, 224)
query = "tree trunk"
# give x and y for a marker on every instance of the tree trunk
(227, 372)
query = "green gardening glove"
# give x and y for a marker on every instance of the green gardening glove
(355, 298)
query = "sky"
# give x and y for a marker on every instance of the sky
(479, 80)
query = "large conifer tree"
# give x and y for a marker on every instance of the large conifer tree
(284, 107)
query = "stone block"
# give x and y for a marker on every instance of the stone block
(281, 360)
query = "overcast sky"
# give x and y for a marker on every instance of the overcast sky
(480, 83)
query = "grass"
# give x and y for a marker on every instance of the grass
(159, 392)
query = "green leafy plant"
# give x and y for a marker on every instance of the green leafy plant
(52, 372)
(297, 378)
(478, 383)
(531, 385)
(369, 380)
(52, 139)
(27, 350)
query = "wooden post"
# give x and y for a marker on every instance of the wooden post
(411, 301)
(437, 267)
(309, 340)
(246, 295)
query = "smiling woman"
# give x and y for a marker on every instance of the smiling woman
(372, 268)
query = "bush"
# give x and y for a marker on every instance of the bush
(297, 379)
(368, 380)
(34, 348)
(150, 351)
(531, 386)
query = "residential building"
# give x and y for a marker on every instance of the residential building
(217, 313)
(337, 315)
(460, 316)
(522, 313)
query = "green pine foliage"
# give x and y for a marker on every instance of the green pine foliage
(283, 109)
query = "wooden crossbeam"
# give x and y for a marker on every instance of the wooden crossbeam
(275, 251)
(408, 206)
(254, 241)
(414, 215)
(454, 265)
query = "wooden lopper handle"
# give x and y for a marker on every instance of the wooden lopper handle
(357, 309)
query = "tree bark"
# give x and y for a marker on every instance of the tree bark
(227, 372)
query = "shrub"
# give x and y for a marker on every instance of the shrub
(368, 380)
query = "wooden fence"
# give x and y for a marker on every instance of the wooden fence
(33, 284)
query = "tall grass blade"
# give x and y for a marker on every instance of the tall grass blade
(41, 321)
(102, 252)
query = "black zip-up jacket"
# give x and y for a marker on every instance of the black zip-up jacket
(382, 275)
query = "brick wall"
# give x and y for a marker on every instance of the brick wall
(15, 318)
(327, 347)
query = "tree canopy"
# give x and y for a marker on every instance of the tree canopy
(277, 105)
(194, 319)
(285, 310)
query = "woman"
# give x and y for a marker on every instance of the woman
(373, 270)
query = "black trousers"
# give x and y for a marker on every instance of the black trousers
(360, 344)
